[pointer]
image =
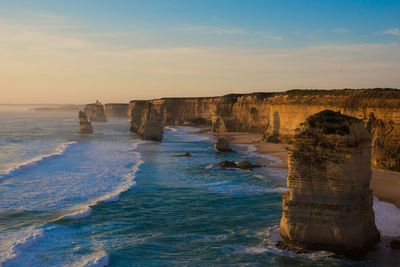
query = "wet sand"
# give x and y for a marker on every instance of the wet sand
(384, 184)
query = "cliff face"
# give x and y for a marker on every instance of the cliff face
(84, 124)
(146, 121)
(114, 110)
(328, 205)
(277, 115)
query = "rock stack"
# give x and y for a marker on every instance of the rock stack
(98, 113)
(328, 205)
(222, 145)
(85, 125)
(146, 121)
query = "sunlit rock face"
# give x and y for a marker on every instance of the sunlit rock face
(385, 136)
(97, 113)
(84, 124)
(328, 205)
(277, 115)
(146, 121)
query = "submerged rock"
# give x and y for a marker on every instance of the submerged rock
(98, 113)
(328, 205)
(84, 124)
(242, 165)
(222, 145)
(187, 154)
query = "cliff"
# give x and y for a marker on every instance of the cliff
(277, 115)
(84, 124)
(328, 205)
(146, 120)
(116, 110)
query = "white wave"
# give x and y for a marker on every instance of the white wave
(387, 218)
(84, 210)
(171, 129)
(12, 245)
(33, 161)
(96, 259)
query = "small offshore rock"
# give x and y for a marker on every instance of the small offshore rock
(227, 164)
(187, 154)
(222, 145)
(395, 244)
(245, 165)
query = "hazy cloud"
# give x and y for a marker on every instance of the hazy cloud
(394, 31)
(340, 30)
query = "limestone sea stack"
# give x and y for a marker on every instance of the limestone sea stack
(98, 113)
(146, 121)
(85, 125)
(222, 145)
(328, 205)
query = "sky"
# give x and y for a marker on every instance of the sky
(77, 51)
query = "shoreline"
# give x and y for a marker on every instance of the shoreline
(385, 184)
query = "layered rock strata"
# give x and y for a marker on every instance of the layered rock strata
(277, 115)
(146, 121)
(328, 205)
(84, 124)
(97, 113)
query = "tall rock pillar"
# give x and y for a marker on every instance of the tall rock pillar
(328, 205)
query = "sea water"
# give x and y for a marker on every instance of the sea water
(109, 199)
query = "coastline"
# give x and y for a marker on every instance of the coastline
(385, 184)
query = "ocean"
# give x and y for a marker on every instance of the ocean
(110, 199)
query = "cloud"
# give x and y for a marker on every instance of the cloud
(340, 30)
(394, 31)
(214, 30)
(76, 66)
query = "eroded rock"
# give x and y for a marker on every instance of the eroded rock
(84, 124)
(328, 205)
(98, 113)
(222, 145)
(242, 165)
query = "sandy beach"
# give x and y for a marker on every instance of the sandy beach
(385, 184)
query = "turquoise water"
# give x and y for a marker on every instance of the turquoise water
(111, 199)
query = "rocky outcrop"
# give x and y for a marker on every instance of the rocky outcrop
(328, 205)
(146, 121)
(222, 145)
(84, 124)
(97, 113)
(385, 143)
(116, 110)
(245, 165)
(277, 115)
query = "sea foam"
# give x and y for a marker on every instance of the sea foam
(60, 149)
(11, 246)
(85, 210)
